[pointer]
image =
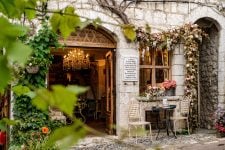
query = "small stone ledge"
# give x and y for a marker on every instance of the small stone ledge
(169, 98)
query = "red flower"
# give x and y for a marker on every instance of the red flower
(45, 130)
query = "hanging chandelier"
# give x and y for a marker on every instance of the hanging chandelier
(76, 60)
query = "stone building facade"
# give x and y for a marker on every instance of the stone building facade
(164, 15)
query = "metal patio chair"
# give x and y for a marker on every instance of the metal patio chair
(182, 115)
(134, 119)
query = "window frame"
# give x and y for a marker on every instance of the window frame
(153, 67)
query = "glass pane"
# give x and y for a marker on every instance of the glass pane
(165, 58)
(145, 78)
(161, 75)
(159, 58)
(146, 56)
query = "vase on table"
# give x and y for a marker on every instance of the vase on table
(170, 92)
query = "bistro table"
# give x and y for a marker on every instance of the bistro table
(156, 107)
(167, 114)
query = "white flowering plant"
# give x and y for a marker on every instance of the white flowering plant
(32, 61)
(154, 91)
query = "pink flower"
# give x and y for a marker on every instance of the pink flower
(167, 84)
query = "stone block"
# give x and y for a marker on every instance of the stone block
(148, 16)
(178, 60)
(182, 8)
(179, 90)
(126, 97)
(138, 14)
(176, 50)
(159, 6)
(179, 80)
(83, 12)
(151, 6)
(177, 70)
(85, 1)
(221, 99)
(86, 6)
(123, 114)
(130, 12)
(175, 19)
(167, 7)
(159, 17)
(173, 7)
(97, 8)
(129, 87)
(221, 77)
(53, 5)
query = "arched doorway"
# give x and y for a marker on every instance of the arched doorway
(91, 64)
(208, 72)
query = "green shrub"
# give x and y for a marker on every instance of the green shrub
(30, 119)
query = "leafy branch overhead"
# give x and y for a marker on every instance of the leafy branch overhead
(60, 97)
(129, 31)
(118, 9)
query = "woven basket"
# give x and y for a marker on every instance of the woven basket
(32, 69)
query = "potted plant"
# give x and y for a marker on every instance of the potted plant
(220, 122)
(32, 65)
(153, 92)
(169, 86)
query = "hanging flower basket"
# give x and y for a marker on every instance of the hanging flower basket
(32, 69)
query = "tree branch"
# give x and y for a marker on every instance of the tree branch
(119, 10)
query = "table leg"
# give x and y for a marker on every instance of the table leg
(157, 123)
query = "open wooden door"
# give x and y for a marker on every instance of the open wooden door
(109, 93)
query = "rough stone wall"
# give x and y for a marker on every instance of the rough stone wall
(160, 16)
(208, 69)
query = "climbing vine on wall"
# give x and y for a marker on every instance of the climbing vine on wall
(31, 119)
(190, 35)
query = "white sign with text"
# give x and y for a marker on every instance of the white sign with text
(130, 69)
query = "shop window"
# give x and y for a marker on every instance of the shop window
(154, 67)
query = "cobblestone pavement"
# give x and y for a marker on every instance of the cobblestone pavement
(203, 140)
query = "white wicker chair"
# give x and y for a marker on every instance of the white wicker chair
(182, 115)
(134, 119)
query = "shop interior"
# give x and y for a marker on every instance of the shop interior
(84, 67)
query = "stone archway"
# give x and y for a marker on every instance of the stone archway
(208, 72)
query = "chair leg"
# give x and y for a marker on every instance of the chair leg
(150, 130)
(136, 129)
(188, 127)
(174, 127)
